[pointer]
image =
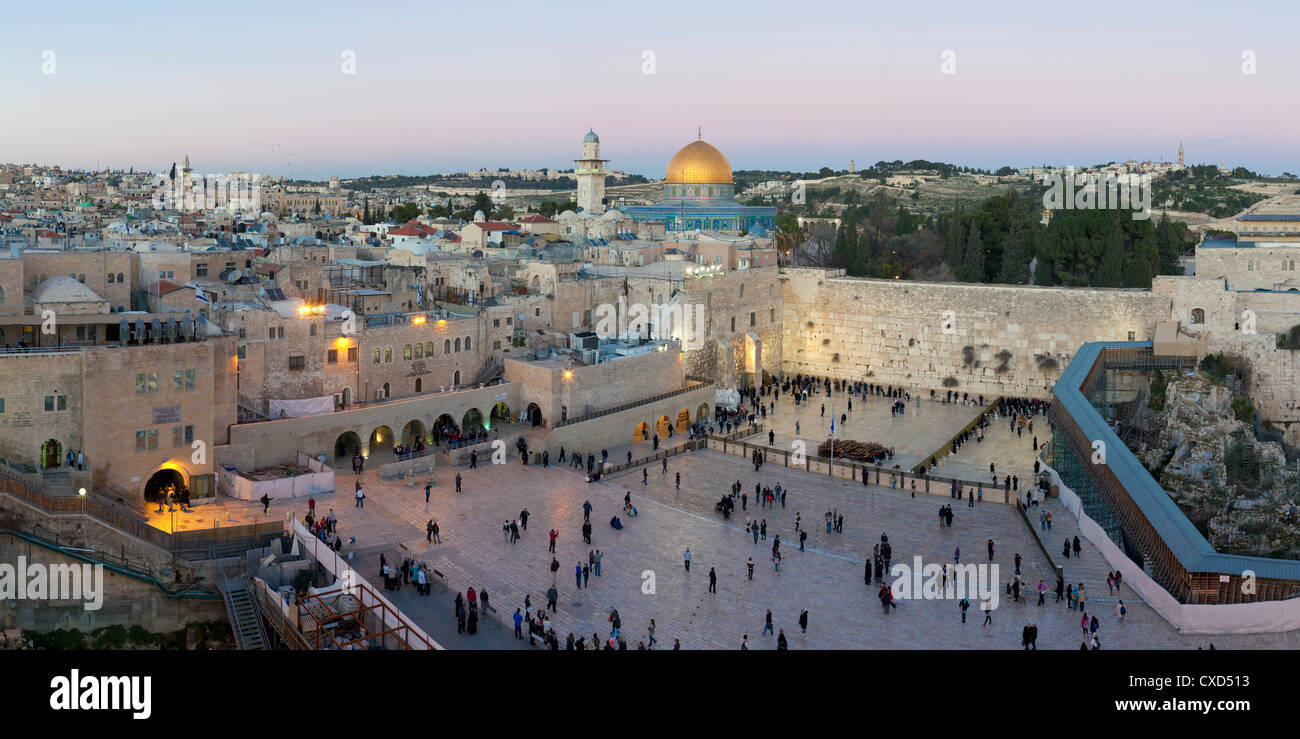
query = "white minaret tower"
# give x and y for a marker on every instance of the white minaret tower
(590, 173)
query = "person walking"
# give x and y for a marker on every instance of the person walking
(266, 502)
(1121, 610)
(687, 557)
(458, 482)
(595, 567)
(554, 534)
(519, 620)
(963, 605)
(713, 581)
(767, 625)
(428, 488)
(577, 575)
(361, 497)
(803, 621)
(651, 631)
(750, 567)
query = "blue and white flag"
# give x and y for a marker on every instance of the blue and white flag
(419, 295)
(199, 296)
(832, 419)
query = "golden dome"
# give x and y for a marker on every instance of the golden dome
(698, 163)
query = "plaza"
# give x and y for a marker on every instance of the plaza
(826, 579)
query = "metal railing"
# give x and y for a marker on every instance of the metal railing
(628, 406)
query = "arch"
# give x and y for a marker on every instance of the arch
(347, 445)
(1198, 315)
(155, 488)
(428, 349)
(388, 391)
(702, 412)
(446, 346)
(455, 379)
(500, 411)
(641, 432)
(472, 421)
(457, 343)
(419, 383)
(537, 282)
(412, 432)
(683, 419)
(51, 453)
(467, 343)
(534, 414)
(419, 350)
(444, 423)
(661, 426)
(380, 437)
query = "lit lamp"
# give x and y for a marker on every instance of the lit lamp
(568, 370)
(82, 492)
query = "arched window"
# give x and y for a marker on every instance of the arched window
(457, 343)
(2, 295)
(428, 348)
(446, 346)
(419, 352)
(388, 354)
(377, 356)
(119, 277)
(110, 277)
(1198, 315)
(406, 353)
(466, 343)
(418, 385)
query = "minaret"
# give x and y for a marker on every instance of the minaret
(590, 173)
(1181, 163)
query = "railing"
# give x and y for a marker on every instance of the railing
(627, 406)
(199, 544)
(32, 351)
(847, 469)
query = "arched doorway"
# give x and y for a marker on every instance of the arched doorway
(534, 414)
(473, 421)
(347, 445)
(702, 413)
(165, 479)
(51, 453)
(381, 438)
(661, 426)
(419, 384)
(683, 419)
(642, 432)
(455, 379)
(501, 412)
(412, 432)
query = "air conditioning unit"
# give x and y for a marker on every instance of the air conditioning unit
(379, 393)
(590, 356)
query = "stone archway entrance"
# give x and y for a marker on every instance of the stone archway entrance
(472, 422)
(642, 432)
(51, 453)
(347, 445)
(534, 414)
(161, 482)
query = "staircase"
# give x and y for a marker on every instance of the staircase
(491, 371)
(57, 482)
(245, 620)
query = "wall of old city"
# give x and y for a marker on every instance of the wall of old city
(986, 339)
(1256, 268)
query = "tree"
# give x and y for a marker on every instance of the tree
(1110, 271)
(483, 202)
(1018, 249)
(973, 262)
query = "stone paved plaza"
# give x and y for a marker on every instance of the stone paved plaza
(827, 579)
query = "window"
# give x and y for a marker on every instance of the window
(178, 380)
(428, 349)
(771, 315)
(140, 437)
(406, 353)
(110, 278)
(146, 382)
(466, 343)
(1131, 336)
(280, 332)
(537, 311)
(178, 435)
(496, 323)
(446, 346)
(742, 289)
(49, 403)
(376, 356)
(352, 354)
(496, 346)
(201, 270)
(457, 343)
(272, 332)
(419, 351)
(241, 352)
(388, 354)
(1198, 315)
(152, 436)
(332, 356)
(243, 333)
(510, 321)
(751, 318)
(733, 323)
(312, 331)
(297, 362)
(119, 277)
(2, 405)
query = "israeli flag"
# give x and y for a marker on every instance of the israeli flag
(832, 419)
(419, 295)
(199, 296)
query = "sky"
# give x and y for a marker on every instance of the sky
(264, 87)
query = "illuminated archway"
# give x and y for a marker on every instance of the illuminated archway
(702, 413)
(661, 426)
(51, 453)
(500, 412)
(642, 432)
(156, 487)
(412, 431)
(683, 419)
(381, 438)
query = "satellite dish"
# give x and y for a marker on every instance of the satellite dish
(234, 275)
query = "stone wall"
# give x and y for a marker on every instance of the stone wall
(986, 339)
